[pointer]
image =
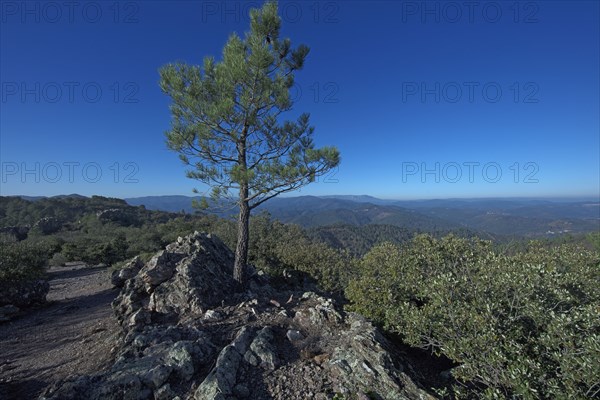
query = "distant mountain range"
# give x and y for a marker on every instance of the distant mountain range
(523, 217)
(519, 217)
(506, 217)
(173, 203)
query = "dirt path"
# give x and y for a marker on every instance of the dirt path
(73, 334)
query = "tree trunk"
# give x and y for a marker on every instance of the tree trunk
(241, 250)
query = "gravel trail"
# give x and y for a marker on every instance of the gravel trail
(73, 333)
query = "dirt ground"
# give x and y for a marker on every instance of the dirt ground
(73, 334)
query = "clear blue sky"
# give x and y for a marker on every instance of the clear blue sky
(450, 99)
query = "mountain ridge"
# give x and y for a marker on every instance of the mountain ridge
(506, 216)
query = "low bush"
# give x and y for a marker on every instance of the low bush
(275, 246)
(58, 260)
(21, 261)
(522, 326)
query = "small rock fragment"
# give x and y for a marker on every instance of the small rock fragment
(294, 335)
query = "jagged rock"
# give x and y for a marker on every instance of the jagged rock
(180, 358)
(130, 270)
(263, 348)
(159, 269)
(221, 380)
(187, 334)
(139, 318)
(361, 360)
(189, 276)
(322, 314)
(24, 294)
(142, 373)
(157, 376)
(212, 315)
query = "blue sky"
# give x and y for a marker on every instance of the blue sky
(424, 100)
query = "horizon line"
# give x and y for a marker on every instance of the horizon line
(386, 198)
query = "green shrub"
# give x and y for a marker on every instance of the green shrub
(20, 261)
(524, 325)
(327, 266)
(275, 246)
(95, 251)
(58, 260)
(594, 240)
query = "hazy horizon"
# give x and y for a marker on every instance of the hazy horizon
(573, 198)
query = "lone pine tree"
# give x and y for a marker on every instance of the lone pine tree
(226, 122)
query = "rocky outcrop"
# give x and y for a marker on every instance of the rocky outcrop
(186, 279)
(48, 225)
(121, 216)
(130, 270)
(187, 334)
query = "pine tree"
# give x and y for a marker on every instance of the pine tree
(226, 122)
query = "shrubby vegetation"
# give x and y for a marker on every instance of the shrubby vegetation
(95, 230)
(518, 319)
(524, 325)
(22, 261)
(514, 245)
(357, 240)
(87, 233)
(275, 247)
(18, 211)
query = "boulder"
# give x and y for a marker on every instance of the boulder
(262, 347)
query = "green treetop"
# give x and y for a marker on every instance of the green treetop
(226, 123)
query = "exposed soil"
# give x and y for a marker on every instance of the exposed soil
(74, 333)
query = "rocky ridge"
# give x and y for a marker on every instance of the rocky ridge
(187, 334)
